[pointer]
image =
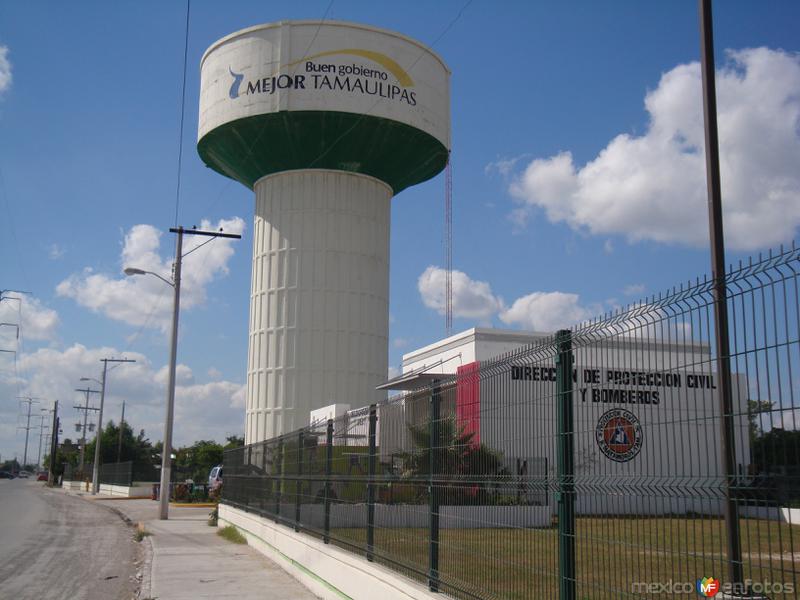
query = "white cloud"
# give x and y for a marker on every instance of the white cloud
(36, 321)
(55, 252)
(503, 166)
(214, 373)
(652, 187)
(608, 247)
(538, 311)
(545, 311)
(202, 410)
(183, 375)
(144, 300)
(400, 342)
(210, 411)
(471, 299)
(5, 70)
(634, 289)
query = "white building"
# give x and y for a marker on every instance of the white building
(646, 415)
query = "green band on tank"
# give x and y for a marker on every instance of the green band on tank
(250, 148)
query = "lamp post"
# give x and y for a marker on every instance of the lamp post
(166, 463)
(96, 469)
(121, 422)
(85, 410)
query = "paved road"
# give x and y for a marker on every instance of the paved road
(55, 546)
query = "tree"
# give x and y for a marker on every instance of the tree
(776, 450)
(11, 466)
(754, 408)
(66, 454)
(233, 441)
(196, 461)
(463, 468)
(137, 449)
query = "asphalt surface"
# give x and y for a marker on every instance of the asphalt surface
(56, 546)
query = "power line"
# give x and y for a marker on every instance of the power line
(183, 110)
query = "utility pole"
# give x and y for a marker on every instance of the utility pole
(85, 410)
(166, 458)
(166, 451)
(27, 427)
(166, 464)
(42, 429)
(96, 470)
(121, 423)
(53, 446)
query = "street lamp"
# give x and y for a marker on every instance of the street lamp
(166, 464)
(133, 271)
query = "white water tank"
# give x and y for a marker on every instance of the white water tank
(326, 122)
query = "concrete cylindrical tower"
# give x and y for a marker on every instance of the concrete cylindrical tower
(325, 122)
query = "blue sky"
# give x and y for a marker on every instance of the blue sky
(576, 185)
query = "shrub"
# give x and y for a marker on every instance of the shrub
(230, 533)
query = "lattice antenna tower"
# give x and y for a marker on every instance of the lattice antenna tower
(448, 247)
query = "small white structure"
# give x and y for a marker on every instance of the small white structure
(350, 427)
(320, 416)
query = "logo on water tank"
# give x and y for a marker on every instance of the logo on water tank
(237, 81)
(619, 434)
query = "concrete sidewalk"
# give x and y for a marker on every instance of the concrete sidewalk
(186, 559)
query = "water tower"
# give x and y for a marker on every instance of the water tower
(325, 121)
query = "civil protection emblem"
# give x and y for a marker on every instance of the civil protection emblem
(619, 434)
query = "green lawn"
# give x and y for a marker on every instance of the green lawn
(610, 555)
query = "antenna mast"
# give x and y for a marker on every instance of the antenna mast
(448, 248)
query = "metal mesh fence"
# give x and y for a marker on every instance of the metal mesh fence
(128, 472)
(72, 473)
(587, 465)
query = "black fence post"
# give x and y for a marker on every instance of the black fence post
(373, 420)
(279, 480)
(328, 469)
(433, 494)
(566, 466)
(298, 486)
(721, 333)
(265, 486)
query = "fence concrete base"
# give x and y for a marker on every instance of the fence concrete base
(75, 486)
(139, 490)
(329, 572)
(773, 513)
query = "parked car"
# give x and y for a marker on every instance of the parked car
(24, 474)
(215, 478)
(6, 475)
(41, 476)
